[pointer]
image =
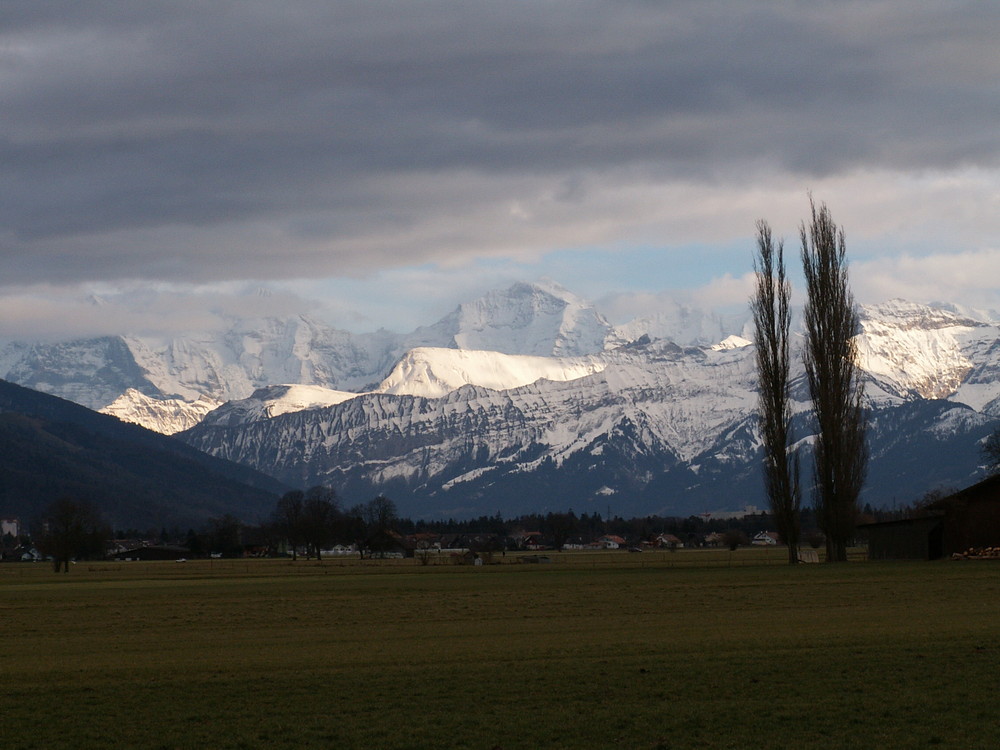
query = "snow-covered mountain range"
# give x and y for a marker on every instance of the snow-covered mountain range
(542, 320)
(529, 399)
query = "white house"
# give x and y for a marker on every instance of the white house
(765, 538)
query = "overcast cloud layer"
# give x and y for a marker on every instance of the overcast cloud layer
(210, 145)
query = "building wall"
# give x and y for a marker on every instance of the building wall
(913, 539)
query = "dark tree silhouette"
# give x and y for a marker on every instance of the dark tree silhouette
(559, 527)
(380, 513)
(379, 516)
(71, 529)
(224, 535)
(734, 539)
(831, 322)
(287, 519)
(772, 320)
(320, 518)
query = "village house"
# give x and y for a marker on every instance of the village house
(714, 539)
(669, 541)
(532, 540)
(610, 541)
(766, 538)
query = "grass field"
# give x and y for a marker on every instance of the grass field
(594, 650)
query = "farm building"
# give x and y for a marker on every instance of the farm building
(971, 517)
(966, 519)
(611, 541)
(906, 539)
(766, 539)
(670, 541)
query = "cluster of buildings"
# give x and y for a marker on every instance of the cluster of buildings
(13, 546)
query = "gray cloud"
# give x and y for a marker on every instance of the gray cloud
(233, 140)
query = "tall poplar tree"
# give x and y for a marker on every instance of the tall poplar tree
(831, 322)
(772, 320)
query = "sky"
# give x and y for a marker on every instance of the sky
(375, 163)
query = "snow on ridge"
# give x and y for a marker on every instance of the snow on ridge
(290, 397)
(731, 342)
(685, 325)
(902, 314)
(166, 416)
(921, 349)
(434, 372)
(275, 400)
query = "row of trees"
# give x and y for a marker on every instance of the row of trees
(73, 530)
(314, 520)
(835, 386)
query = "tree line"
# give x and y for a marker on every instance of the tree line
(305, 522)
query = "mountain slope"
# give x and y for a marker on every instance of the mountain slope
(50, 447)
(436, 372)
(650, 423)
(655, 426)
(163, 415)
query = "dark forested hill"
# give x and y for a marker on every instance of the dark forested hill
(50, 447)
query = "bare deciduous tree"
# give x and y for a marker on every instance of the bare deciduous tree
(287, 519)
(71, 529)
(320, 518)
(379, 515)
(772, 320)
(831, 322)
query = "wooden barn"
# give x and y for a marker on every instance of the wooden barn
(906, 539)
(971, 517)
(968, 519)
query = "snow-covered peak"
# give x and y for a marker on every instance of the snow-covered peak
(282, 399)
(919, 349)
(540, 319)
(167, 416)
(731, 342)
(275, 400)
(989, 317)
(900, 314)
(434, 372)
(684, 325)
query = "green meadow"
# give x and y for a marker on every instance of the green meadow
(597, 650)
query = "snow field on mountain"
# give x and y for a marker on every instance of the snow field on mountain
(928, 362)
(289, 398)
(434, 372)
(170, 415)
